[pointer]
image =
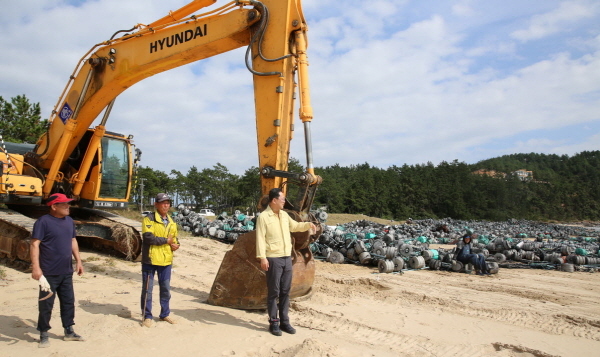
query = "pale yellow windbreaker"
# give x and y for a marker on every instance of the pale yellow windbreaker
(273, 239)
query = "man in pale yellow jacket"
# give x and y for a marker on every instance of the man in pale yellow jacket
(159, 241)
(274, 249)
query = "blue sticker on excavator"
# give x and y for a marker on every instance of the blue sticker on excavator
(65, 113)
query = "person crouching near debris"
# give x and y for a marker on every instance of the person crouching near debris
(464, 255)
(274, 250)
(159, 241)
(52, 244)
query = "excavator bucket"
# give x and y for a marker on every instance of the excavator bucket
(241, 283)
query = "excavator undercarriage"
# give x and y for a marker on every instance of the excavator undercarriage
(96, 229)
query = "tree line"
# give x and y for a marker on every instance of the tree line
(562, 187)
(214, 187)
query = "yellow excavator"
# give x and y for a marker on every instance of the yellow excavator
(95, 166)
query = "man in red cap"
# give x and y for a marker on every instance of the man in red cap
(52, 244)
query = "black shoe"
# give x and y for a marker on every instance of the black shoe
(274, 329)
(287, 328)
(44, 342)
(70, 335)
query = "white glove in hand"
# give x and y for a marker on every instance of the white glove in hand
(44, 285)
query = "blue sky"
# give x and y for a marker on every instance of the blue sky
(392, 82)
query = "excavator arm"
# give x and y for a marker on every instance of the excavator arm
(280, 69)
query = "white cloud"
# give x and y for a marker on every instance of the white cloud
(463, 9)
(557, 20)
(559, 147)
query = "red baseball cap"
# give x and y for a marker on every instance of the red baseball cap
(57, 198)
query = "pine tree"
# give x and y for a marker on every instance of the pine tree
(20, 120)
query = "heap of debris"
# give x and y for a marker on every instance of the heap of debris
(224, 228)
(511, 244)
(393, 248)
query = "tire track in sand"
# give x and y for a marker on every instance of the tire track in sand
(378, 338)
(558, 324)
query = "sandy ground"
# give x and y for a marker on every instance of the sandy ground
(353, 311)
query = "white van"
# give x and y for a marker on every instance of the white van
(206, 212)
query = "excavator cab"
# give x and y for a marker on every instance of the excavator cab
(115, 169)
(98, 172)
(101, 177)
(115, 172)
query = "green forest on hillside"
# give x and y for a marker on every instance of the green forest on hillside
(559, 188)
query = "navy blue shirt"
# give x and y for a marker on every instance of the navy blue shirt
(464, 250)
(56, 246)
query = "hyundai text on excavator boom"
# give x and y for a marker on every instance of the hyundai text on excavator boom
(95, 166)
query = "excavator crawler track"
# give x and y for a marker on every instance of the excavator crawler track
(97, 229)
(15, 234)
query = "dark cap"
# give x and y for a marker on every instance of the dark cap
(57, 198)
(162, 197)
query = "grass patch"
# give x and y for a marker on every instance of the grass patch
(90, 259)
(110, 262)
(136, 215)
(97, 269)
(342, 218)
(2, 274)
(183, 234)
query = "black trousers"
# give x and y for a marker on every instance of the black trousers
(61, 285)
(279, 282)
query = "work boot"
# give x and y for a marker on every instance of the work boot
(274, 328)
(168, 319)
(44, 342)
(70, 335)
(147, 323)
(287, 328)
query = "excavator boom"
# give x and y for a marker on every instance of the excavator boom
(95, 166)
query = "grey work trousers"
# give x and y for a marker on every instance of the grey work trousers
(279, 282)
